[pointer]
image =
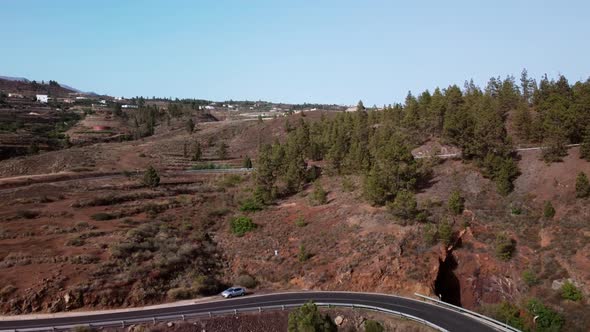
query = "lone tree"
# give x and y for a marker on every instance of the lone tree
(247, 162)
(456, 203)
(319, 195)
(190, 125)
(308, 319)
(404, 205)
(582, 186)
(151, 177)
(548, 210)
(197, 152)
(222, 150)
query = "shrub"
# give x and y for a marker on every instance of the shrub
(101, 216)
(430, 234)
(222, 150)
(247, 163)
(250, 205)
(151, 177)
(246, 280)
(27, 214)
(373, 326)
(303, 254)
(547, 318)
(548, 210)
(300, 222)
(505, 247)
(242, 225)
(510, 314)
(308, 318)
(180, 293)
(570, 292)
(75, 242)
(585, 148)
(347, 184)
(582, 186)
(530, 278)
(445, 233)
(404, 205)
(319, 195)
(456, 203)
(231, 180)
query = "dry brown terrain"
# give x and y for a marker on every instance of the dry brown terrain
(57, 254)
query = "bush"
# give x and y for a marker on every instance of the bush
(151, 177)
(250, 205)
(27, 214)
(180, 293)
(373, 326)
(530, 278)
(456, 203)
(570, 292)
(510, 314)
(347, 184)
(585, 148)
(247, 163)
(430, 234)
(75, 242)
(308, 318)
(404, 205)
(231, 180)
(303, 254)
(548, 210)
(445, 233)
(505, 247)
(300, 222)
(242, 225)
(246, 280)
(101, 216)
(582, 186)
(222, 150)
(319, 195)
(547, 318)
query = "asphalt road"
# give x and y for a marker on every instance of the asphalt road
(445, 318)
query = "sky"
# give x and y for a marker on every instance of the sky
(290, 51)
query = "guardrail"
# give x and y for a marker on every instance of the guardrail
(484, 319)
(168, 318)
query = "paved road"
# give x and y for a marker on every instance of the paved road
(445, 318)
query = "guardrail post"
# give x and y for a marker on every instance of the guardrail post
(123, 323)
(283, 307)
(259, 309)
(235, 311)
(210, 314)
(183, 318)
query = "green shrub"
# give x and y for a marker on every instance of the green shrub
(548, 210)
(404, 205)
(510, 314)
(505, 247)
(445, 232)
(429, 234)
(247, 163)
(319, 195)
(582, 186)
(101, 216)
(530, 278)
(300, 222)
(347, 184)
(547, 318)
(250, 205)
(151, 177)
(75, 242)
(308, 318)
(27, 214)
(303, 254)
(456, 203)
(373, 326)
(570, 292)
(242, 225)
(246, 280)
(180, 293)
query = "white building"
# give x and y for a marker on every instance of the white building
(42, 98)
(129, 106)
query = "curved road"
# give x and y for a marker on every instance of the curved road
(442, 317)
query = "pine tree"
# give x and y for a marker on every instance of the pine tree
(548, 210)
(265, 175)
(247, 163)
(222, 150)
(190, 125)
(197, 152)
(456, 203)
(151, 177)
(582, 186)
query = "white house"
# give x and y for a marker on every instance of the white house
(42, 98)
(129, 106)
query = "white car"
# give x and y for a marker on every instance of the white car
(233, 292)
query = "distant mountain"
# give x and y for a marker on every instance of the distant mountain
(20, 83)
(19, 79)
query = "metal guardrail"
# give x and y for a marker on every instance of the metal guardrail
(183, 317)
(484, 319)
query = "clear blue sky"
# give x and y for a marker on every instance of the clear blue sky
(294, 51)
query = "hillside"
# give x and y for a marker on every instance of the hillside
(31, 88)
